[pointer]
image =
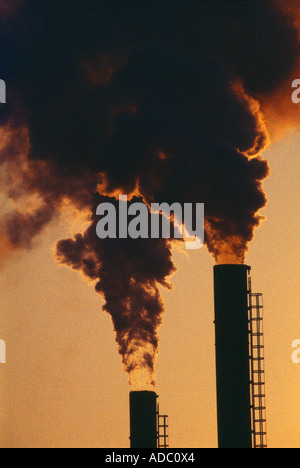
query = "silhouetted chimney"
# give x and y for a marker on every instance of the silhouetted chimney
(143, 419)
(232, 356)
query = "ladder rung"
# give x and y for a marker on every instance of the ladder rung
(256, 351)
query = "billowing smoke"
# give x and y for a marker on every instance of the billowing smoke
(127, 273)
(156, 99)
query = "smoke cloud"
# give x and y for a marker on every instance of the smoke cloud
(163, 100)
(127, 273)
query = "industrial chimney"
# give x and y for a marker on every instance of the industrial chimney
(239, 359)
(143, 420)
(148, 429)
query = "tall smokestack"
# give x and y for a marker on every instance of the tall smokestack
(143, 419)
(232, 356)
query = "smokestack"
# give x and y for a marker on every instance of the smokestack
(143, 419)
(232, 356)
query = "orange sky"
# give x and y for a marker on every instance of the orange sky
(63, 384)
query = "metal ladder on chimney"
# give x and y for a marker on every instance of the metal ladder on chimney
(257, 371)
(162, 430)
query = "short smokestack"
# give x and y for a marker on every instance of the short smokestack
(232, 356)
(143, 419)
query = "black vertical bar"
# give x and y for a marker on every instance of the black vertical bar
(232, 356)
(143, 419)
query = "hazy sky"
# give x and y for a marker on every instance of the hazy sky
(63, 384)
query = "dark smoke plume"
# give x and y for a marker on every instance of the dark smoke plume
(157, 99)
(127, 273)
